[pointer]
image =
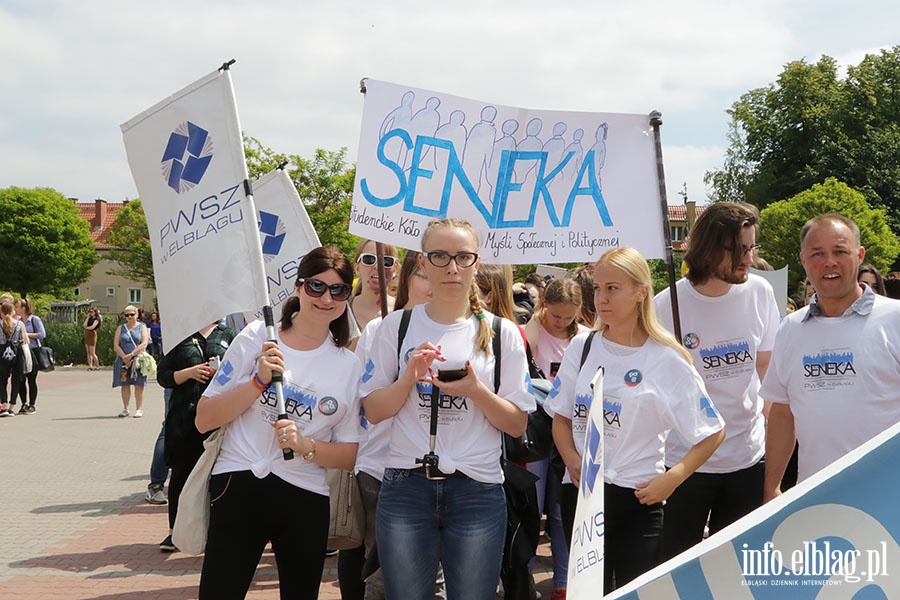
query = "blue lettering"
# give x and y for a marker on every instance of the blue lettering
(393, 166)
(592, 189)
(505, 186)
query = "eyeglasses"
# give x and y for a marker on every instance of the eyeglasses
(745, 249)
(317, 287)
(370, 259)
(129, 314)
(442, 259)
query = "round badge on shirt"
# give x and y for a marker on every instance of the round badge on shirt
(691, 340)
(633, 377)
(328, 405)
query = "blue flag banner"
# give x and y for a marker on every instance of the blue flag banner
(833, 536)
(539, 186)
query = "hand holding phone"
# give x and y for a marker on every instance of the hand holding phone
(452, 374)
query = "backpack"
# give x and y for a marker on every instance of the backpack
(9, 350)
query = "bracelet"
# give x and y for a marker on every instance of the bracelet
(312, 453)
(258, 383)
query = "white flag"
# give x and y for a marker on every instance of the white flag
(187, 159)
(586, 554)
(286, 235)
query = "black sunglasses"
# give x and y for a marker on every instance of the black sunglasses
(370, 259)
(317, 287)
(129, 314)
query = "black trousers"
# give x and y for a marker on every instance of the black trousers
(28, 387)
(633, 533)
(246, 513)
(723, 498)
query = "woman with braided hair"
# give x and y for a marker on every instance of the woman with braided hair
(441, 497)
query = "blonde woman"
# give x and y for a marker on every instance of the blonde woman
(366, 302)
(130, 340)
(454, 510)
(649, 387)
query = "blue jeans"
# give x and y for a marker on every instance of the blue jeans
(458, 521)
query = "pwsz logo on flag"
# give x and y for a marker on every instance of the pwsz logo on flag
(592, 463)
(271, 233)
(187, 156)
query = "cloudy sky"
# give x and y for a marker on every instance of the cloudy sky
(73, 71)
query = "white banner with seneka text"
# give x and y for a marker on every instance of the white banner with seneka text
(539, 186)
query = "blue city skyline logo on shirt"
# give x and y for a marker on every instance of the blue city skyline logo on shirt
(223, 376)
(728, 355)
(612, 412)
(186, 157)
(272, 232)
(828, 364)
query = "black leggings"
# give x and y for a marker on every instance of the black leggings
(245, 514)
(31, 381)
(633, 533)
(723, 498)
(185, 457)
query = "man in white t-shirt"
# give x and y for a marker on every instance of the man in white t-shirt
(728, 319)
(836, 362)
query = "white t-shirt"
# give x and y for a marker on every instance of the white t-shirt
(550, 349)
(375, 437)
(466, 440)
(723, 335)
(841, 377)
(320, 395)
(647, 391)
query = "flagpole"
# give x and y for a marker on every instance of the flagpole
(655, 122)
(258, 274)
(379, 247)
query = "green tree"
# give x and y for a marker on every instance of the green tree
(324, 183)
(46, 246)
(130, 236)
(810, 125)
(781, 221)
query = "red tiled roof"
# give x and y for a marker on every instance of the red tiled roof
(678, 212)
(99, 231)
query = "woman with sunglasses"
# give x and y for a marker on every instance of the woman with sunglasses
(257, 496)
(452, 510)
(365, 305)
(132, 339)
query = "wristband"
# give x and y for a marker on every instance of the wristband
(258, 383)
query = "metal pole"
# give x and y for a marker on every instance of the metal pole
(655, 122)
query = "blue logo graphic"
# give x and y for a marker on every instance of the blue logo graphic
(272, 232)
(592, 463)
(299, 403)
(406, 354)
(224, 374)
(633, 378)
(370, 368)
(187, 156)
(554, 391)
(363, 421)
(707, 406)
(328, 405)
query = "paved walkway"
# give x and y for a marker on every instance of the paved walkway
(75, 525)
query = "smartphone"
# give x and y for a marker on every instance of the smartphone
(554, 368)
(452, 374)
(214, 362)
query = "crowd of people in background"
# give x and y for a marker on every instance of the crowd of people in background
(407, 391)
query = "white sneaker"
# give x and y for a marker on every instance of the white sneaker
(124, 413)
(138, 414)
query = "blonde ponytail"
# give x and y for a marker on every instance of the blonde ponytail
(485, 333)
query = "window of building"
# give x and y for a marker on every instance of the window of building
(134, 296)
(677, 233)
(110, 292)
